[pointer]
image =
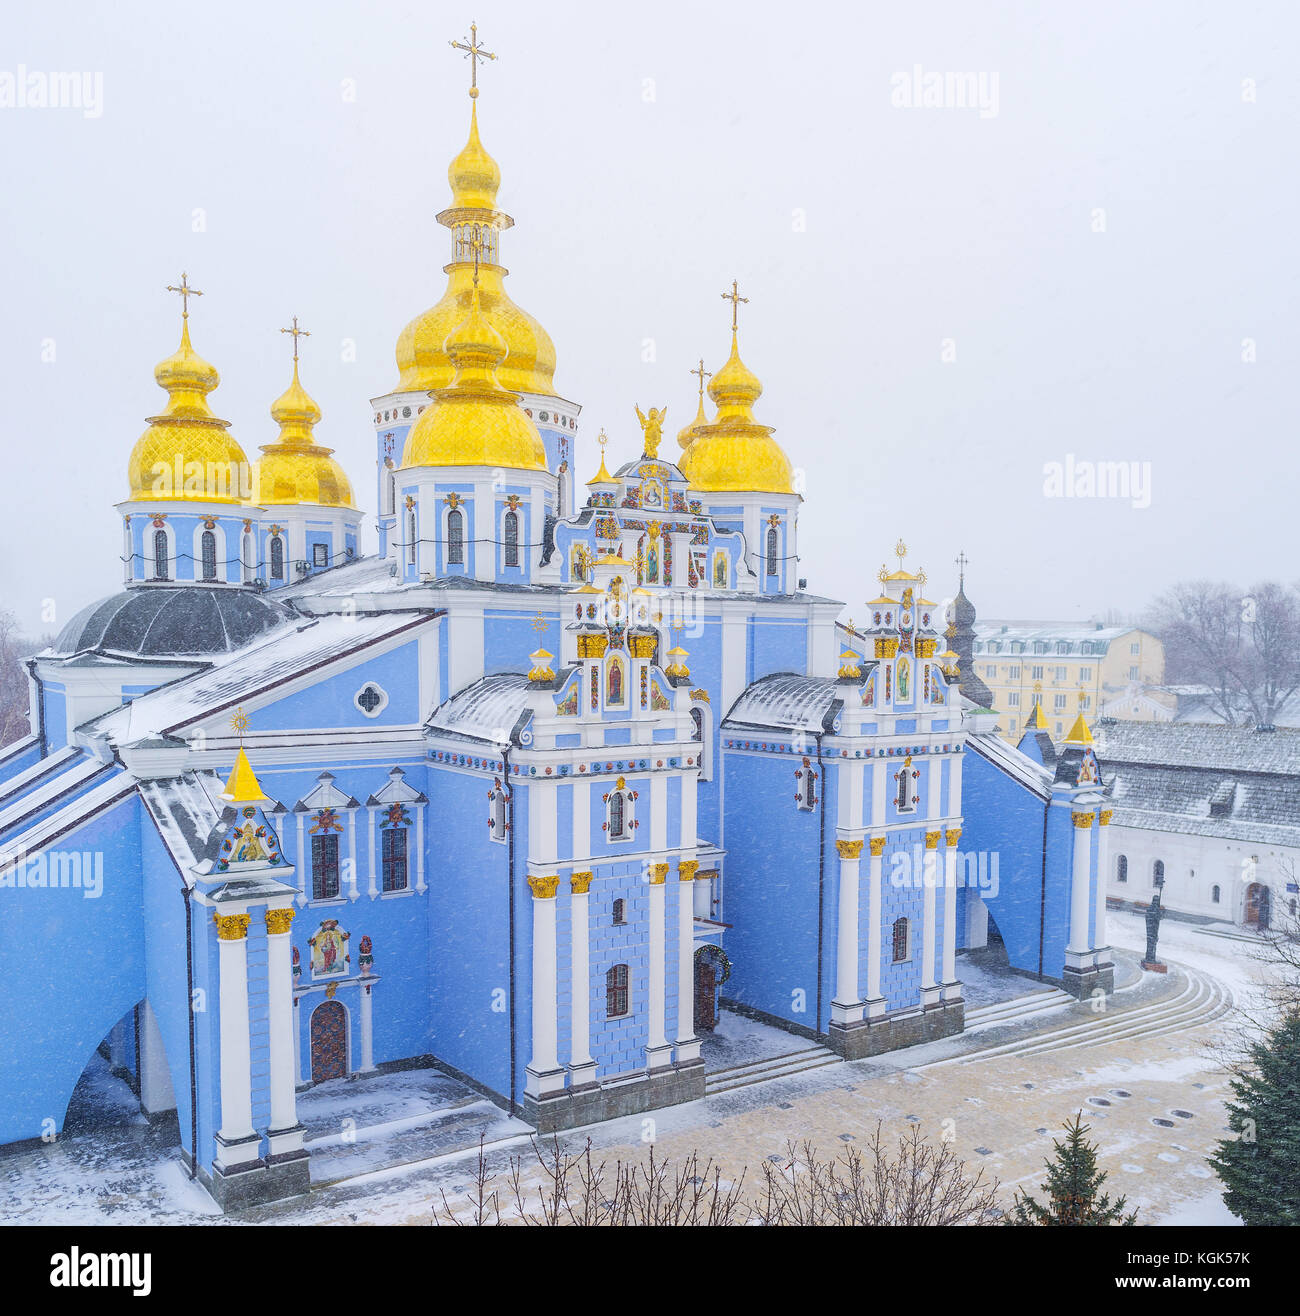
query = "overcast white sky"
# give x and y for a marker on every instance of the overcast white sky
(634, 209)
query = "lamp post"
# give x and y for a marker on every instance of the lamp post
(1155, 912)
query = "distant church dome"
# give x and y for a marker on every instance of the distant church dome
(161, 622)
(529, 365)
(186, 453)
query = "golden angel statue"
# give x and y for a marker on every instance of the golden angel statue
(652, 427)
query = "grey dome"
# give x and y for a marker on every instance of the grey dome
(169, 622)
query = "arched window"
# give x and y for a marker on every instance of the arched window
(700, 734)
(209, 552)
(907, 778)
(410, 536)
(1214, 894)
(1158, 872)
(805, 779)
(512, 539)
(771, 551)
(619, 824)
(616, 994)
(902, 941)
(617, 816)
(1121, 868)
(160, 554)
(455, 539)
(619, 913)
(498, 817)
(394, 858)
(277, 558)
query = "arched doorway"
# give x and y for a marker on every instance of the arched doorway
(1258, 901)
(712, 969)
(329, 1042)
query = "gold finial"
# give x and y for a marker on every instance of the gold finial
(297, 334)
(186, 293)
(900, 552)
(239, 723)
(541, 669)
(476, 246)
(703, 374)
(735, 299)
(540, 624)
(473, 52)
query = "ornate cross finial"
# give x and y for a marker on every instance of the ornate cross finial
(702, 373)
(239, 723)
(735, 299)
(473, 52)
(297, 334)
(540, 624)
(962, 559)
(900, 552)
(476, 246)
(186, 293)
(602, 438)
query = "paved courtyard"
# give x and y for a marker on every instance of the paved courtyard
(1146, 1072)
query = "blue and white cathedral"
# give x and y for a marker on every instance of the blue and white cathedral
(529, 794)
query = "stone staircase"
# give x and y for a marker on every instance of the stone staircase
(798, 1061)
(1016, 1009)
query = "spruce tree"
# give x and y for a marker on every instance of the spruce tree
(1073, 1187)
(1260, 1167)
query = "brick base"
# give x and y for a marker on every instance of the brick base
(1082, 983)
(891, 1032)
(260, 1183)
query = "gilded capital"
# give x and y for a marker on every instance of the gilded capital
(687, 869)
(953, 835)
(544, 888)
(231, 927)
(878, 845)
(931, 840)
(580, 883)
(278, 921)
(1106, 816)
(1082, 820)
(658, 874)
(849, 849)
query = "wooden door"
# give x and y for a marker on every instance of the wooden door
(329, 1042)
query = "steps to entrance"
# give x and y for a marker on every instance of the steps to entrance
(799, 1061)
(1016, 1009)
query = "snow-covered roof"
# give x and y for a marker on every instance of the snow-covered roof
(261, 667)
(1011, 761)
(1199, 745)
(786, 702)
(77, 773)
(186, 809)
(1072, 633)
(488, 710)
(39, 835)
(22, 781)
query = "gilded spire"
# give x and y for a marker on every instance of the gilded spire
(734, 453)
(602, 476)
(686, 435)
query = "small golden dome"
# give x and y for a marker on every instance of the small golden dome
(474, 175)
(686, 435)
(186, 453)
(295, 469)
(475, 422)
(422, 362)
(734, 453)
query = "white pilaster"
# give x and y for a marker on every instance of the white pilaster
(582, 1068)
(1100, 942)
(657, 1049)
(951, 987)
(875, 1002)
(285, 1134)
(688, 1045)
(544, 1074)
(847, 1007)
(930, 879)
(367, 1028)
(237, 1144)
(1080, 890)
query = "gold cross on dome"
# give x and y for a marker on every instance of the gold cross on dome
(476, 246)
(474, 52)
(186, 293)
(702, 373)
(900, 552)
(961, 560)
(602, 438)
(297, 334)
(735, 299)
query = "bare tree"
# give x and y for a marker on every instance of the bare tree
(14, 648)
(1242, 646)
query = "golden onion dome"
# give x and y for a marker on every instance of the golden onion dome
(686, 435)
(422, 361)
(474, 421)
(295, 469)
(186, 453)
(733, 452)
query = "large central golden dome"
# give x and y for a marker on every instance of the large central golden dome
(529, 365)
